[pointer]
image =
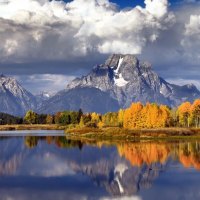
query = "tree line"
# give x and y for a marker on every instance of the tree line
(150, 115)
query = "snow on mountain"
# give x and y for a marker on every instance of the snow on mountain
(42, 96)
(123, 79)
(14, 99)
(118, 79)
(127, 80)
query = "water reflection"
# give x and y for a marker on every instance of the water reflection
(73, 169)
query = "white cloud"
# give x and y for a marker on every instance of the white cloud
(190, 40)
(193, 27)
(123, 31)
(158, 8)
(55, 30)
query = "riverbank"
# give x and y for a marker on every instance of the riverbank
(121, 133)
(32, 127)
(110, 133)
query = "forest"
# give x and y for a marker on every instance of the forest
(150, 115)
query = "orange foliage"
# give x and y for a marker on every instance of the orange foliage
(144, 153)
(189, 155)
(132, 116)
(195, 109)
(148, 153)
(189, 161)
(148, 116)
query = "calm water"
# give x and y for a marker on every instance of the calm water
(52, 167)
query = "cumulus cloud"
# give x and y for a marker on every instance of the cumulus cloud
(193, 27)
(175, 54)
(55, 30)
(121, 31)
(190, 40)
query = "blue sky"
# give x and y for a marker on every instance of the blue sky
(132, 3)
(126, 3)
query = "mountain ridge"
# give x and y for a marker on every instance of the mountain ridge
(14, 99)
(121, 80)
(127, 80)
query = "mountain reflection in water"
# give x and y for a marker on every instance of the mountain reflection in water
(54, 167)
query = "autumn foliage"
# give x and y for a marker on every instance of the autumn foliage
(189, 114)
(137, 116)
(148, 116)
(152, 115)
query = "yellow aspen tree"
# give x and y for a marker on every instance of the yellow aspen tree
(195, 110)
(165, 118)
(184, 114)
(132, 115)
(121, 117)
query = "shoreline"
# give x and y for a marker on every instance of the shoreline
(21, 127)
(111, 133)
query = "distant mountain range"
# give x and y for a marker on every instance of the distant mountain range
(123, 79)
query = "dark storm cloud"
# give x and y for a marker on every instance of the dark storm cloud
(70, 67)
(175, 54)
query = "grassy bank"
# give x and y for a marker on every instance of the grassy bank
(110, 133)
(120, 133)
(31, 127)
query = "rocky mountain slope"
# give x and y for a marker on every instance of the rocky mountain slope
(122, 79)
(89, 99)
(14, 99)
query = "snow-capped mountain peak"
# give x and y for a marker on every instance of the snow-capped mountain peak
(14, 99)
(121, 80)
(127, 80)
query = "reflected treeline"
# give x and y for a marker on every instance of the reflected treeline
(187, 153)
(61, 142)
(137, 153)
(144, 153)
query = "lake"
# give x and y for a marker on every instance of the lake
(44, 165)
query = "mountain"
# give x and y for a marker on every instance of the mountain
(42, 96)
(14, 99)
(123, 79)
(88, 98)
